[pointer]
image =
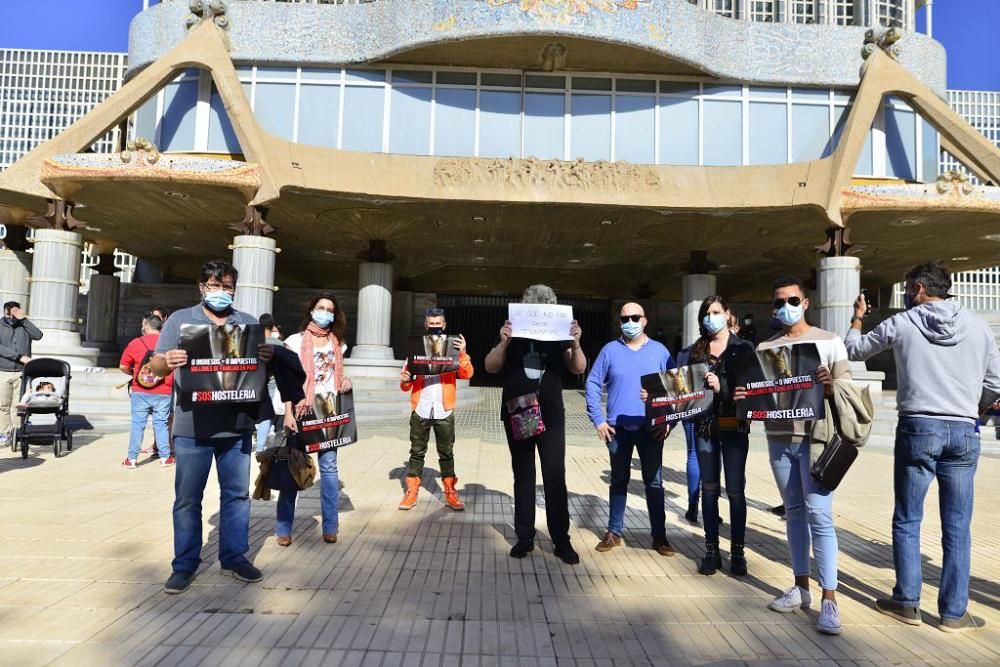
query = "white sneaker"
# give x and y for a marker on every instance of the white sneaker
(829, 618)
(794, 598)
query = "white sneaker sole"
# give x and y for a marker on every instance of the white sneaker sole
(828, 630)
(787, 610)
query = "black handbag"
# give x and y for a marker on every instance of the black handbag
(836, 458)
(279, 474)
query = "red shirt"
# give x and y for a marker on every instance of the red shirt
(132, 358)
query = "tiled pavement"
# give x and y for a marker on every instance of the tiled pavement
(86, 547)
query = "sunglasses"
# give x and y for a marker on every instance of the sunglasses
(793, 301)
(625, 318)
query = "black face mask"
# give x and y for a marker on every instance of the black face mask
(435, 331)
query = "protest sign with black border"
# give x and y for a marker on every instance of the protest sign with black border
(432, 355)
(222, 365)
(331, 424)
(676, 394)
(781, 385)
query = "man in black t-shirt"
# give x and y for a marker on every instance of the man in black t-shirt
(532, 393)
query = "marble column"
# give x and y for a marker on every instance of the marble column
(254, 258)
(374, 311)
(696, 287)
(55, 286)
(838, 283)
(15, 266)
(102, 304)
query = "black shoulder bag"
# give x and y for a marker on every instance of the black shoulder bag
(837, 457)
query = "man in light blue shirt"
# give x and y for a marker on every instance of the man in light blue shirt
(619, 367)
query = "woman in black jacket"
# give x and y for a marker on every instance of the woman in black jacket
(721, 438)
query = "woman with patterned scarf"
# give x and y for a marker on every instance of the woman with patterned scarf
(320, 346)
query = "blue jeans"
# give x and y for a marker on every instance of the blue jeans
(329, 498)
(693, 471)
(808, 510)
(143, 406)
(651, 460)
(928, 449)
(263, 429)
(727, 452)
(194, 462)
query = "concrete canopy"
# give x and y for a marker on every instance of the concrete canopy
(543, 216)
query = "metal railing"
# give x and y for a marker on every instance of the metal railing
(885, 13)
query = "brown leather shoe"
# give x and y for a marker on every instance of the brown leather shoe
(330, 538)
(609, 542)
(451, 494)
(410, 497)
(662, 547)
(284, 540)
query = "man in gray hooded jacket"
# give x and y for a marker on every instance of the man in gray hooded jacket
(947, 362)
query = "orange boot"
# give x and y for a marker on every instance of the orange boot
(412, 489)
(451, 494)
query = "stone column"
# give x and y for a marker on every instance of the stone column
(55, 286)
(374, 311)
(838, 283)
(254, 257)
(696, 287)
(15, 266)
(102, 303)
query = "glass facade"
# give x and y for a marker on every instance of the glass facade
(644, 120)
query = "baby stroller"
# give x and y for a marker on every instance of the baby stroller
(57, 433)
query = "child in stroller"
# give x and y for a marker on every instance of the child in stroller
(49, 379)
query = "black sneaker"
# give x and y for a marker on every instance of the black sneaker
(244, 572)
(965, 624)
(902, 613)
(522, 548)
(566, 554)
(692, 515)
(178, 582)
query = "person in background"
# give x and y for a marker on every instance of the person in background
(161, 312)
(320, 346)
(203, 433)
(432, 399)
(748, 331)
(947, 361)
(624, 428)
(150, 395)
(268, 413)
(721, 439)
(534, 369)
(792, 452)
(17, 333)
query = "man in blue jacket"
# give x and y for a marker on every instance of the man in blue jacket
(947, 362)
(620, 367)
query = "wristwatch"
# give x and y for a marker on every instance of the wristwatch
(855, 318)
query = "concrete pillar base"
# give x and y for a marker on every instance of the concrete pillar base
(65, 345)
(380, 368)
(373, 352)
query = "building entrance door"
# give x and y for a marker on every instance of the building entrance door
(479, 319)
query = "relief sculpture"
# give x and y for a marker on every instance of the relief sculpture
(532, 172)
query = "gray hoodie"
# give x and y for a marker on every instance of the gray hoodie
(946, 358)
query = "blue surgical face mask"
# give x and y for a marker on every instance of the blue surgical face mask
(218, 300)
(714, 323)
(631, 329)
(790, 315)
(323, 318)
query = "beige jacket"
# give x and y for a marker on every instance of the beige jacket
(857, 413)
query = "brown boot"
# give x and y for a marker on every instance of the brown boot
(412, 489)
(451, 494)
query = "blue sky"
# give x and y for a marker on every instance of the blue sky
(967, 28)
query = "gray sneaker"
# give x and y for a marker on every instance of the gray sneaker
(964, 624)
(902, 613)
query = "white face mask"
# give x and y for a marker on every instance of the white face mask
(714, 322)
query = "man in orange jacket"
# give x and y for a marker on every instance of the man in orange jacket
(433, 400)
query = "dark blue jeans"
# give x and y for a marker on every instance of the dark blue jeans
(651, 460)
(929, 449)
(693, 471)
(726, 453)
(194, 462)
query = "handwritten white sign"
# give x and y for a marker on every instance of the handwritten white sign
(540, 321)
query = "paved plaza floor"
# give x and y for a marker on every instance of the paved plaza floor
(86, 547)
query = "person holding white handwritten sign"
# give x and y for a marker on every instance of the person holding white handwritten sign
(531, 408)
